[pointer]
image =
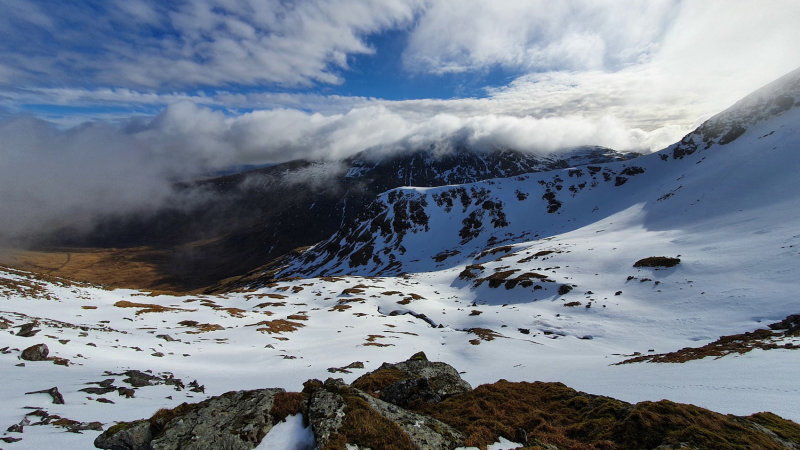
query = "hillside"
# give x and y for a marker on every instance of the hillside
(225, 226)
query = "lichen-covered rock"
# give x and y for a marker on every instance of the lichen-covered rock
(325, 410)
(344, 417)
(36, 352)
(424, 431)
(126, 436)
(416, 379)
(234, 420)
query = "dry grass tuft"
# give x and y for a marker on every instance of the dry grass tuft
(277, 326)
(146, 307)
(200, 327)
(373, 383)
(367, 428)
(287, 404)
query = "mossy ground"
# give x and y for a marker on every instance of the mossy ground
(554, 414)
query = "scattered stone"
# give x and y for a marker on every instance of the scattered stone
(139, 379)
(167, 338)
(27, 330)
(126, 392)
(10, 439)
(345, 369)
(58, 399)
(194, 386)
(102, 390)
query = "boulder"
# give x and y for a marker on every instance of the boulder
(36, 352)
(234, 420)
(27, 330)
(416, 379)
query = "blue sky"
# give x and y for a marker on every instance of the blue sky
(72, 62)
(121, 97)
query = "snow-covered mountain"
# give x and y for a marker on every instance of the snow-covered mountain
(211, 231)
(579, 275)
(738, 160)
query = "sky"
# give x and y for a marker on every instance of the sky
(115, 99)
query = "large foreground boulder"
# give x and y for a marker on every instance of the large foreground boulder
(234, 420)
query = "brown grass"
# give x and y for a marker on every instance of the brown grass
(554, 414)
(147, 307)
(496, 279)
(270, 304)
(116, 268)
(469, 272)
(374, 337)
(726, 345)
(277, 326)
(200, 327)
(484, 334)
(367, 428)
(287, 404)
(492, 251)
(373, 383)
(340, 308)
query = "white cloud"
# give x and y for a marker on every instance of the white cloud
(196, 43)
(466, 35)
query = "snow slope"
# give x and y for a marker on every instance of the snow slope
(729, 210)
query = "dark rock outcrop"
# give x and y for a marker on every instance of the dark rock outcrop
(234, 420)
(414, 380)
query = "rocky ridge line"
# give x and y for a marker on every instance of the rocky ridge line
(419, 404)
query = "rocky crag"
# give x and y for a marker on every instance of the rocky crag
(419, 404)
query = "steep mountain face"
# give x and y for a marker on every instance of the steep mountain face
(226, 226)
(733, 161)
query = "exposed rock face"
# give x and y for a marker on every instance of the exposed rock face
(443, 412)
(36, 352)
(341, 416)
(234, 420)
(414, 380)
